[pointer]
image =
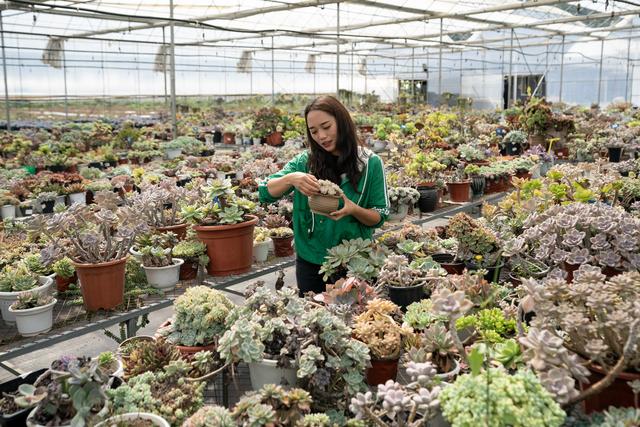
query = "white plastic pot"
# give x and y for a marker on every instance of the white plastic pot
(34, 321)
(379, 145)
(246, 140)
(261, 250)
(31, 423)
(164, 278)
(8, 211)
(238, 140)
(267, 372)
(403, 210)
(61, 200)
(157, 420)
(80, 198)
(8, 298)
(172, 153)
(256, 141)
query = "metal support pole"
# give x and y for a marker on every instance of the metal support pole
(561, 69)
(164, 73)
(273, 75)
(461, 73)
(64, 73)
(627, 95)
(440, 65)
(338, 51)
(352, 49)
(510, 77)
(174, 117)
(426, 97)
(600, 72)
(395, 84)
(4, 72)
(413, 77)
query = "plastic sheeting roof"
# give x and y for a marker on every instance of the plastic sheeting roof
(311, 25)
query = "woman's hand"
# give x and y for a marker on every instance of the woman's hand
(306, 183)
(348, 209)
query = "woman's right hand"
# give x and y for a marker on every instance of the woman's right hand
(306, 183)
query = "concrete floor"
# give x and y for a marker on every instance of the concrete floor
(94, 343)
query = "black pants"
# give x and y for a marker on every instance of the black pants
(308, 277)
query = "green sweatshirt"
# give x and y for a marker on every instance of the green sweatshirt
(314, 234)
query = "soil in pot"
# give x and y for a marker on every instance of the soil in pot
(405, 296)
(381, 371)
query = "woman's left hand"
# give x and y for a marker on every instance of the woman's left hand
(348, 209)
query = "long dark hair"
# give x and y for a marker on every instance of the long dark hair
(325, 165)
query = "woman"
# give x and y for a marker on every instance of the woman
(333, 154)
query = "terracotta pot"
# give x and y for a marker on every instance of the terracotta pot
(366, 128)
(381, 371)
(62, 284)
(274, 139)
(189, 270)
(102, 284)
(459, 191)
(618, 394)
(179, 229)
(229, 247)
(324, 205)
(229, 137)
(282, 246)
(187, 351)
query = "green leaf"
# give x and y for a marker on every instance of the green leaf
(475, 361)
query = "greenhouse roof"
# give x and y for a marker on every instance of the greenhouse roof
(318, 25)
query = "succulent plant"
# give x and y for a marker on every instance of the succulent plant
(360, 258)
(395, 405)
(27, 300)
(474, 239)
(17, 278)
(328, 188)
(272, 405)
(593, 317)
(275, 221)
(379, 331)
(280, 232)
(210, 416)
(64, 268)
(517, 400)
(149, 356)
(201, 313)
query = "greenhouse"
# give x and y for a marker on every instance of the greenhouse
(316, 213)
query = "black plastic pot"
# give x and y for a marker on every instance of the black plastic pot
(112, 163)
(206, 153)
(217, 137)
(406, 296)
(97, 165)
(614, 154)
(478, 184)
(18, 418)
(428, 199)
(56, 168)
(491, 271)
(510, 149)
(48, 206)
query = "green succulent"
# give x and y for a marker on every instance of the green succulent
(64, 268)
(491, 324)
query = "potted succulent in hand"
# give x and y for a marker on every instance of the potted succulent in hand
(261, 242)
(194, 254)
(199, 320)
(225, 226)
(97, 239)
(33, 312)
(15, 280)
(377, 328)
(161, 269)
(328, 198)
(65, 274)
(282, 241)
